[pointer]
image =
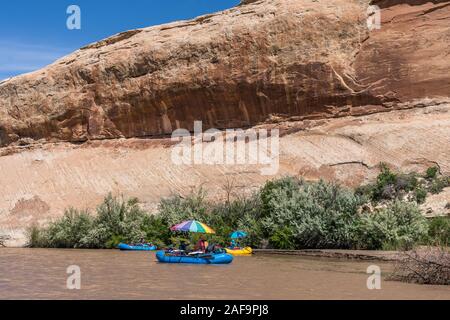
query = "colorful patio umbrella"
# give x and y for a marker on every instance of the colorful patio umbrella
(238, 234)
(192, 226)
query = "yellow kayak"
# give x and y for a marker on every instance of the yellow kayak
(240, 251)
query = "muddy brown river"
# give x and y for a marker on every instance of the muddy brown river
(111, 274)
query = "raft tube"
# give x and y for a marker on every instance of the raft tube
(123, 246)
(214, 258)
(240, 251)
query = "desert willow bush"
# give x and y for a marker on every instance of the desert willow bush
(299, 214)
(287, 213)
(290, 213)
(68, 232)
(400, 225)
(223, 217)
(116, 220)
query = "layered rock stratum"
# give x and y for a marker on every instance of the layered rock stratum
(345, 98)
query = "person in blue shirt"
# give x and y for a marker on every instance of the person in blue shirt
(183, 246)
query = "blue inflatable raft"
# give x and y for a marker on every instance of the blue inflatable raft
(144, 247)
(213, 258)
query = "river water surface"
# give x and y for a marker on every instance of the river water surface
(111, 274)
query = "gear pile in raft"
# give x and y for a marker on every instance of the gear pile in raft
(137, 247)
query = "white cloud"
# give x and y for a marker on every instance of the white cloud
(17, 58)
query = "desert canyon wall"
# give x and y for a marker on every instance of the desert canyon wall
(344, 97)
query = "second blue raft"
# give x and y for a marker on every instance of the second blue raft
(213, 258)
(127, 247)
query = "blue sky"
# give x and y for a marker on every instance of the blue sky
(33, 33)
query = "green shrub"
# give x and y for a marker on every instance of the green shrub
(283, 238)
(399, 226)
(251, 223)
(365, 190)
(156, 230)
(439, 231)
(272, 189)
(391, 186)
(114, 241)
(317, 215)
(37, 237)
(224, 217)
(176, 209)
(69, 231)
(236, 215)
(420, 194)
(384, 186)
(117, 221)
(406, 182)
(438, 185)
(431, 172)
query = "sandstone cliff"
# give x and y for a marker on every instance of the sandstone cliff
(235, 68)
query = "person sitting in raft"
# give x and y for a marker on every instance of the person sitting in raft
(233, 244)
(144, 243)
(211, 248)
(201, 245)
(183, 246)
(199, 248)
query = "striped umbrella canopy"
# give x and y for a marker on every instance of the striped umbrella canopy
(238, 234)
(192, 226)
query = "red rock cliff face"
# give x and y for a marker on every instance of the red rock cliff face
(236, 68)
(409, 57)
